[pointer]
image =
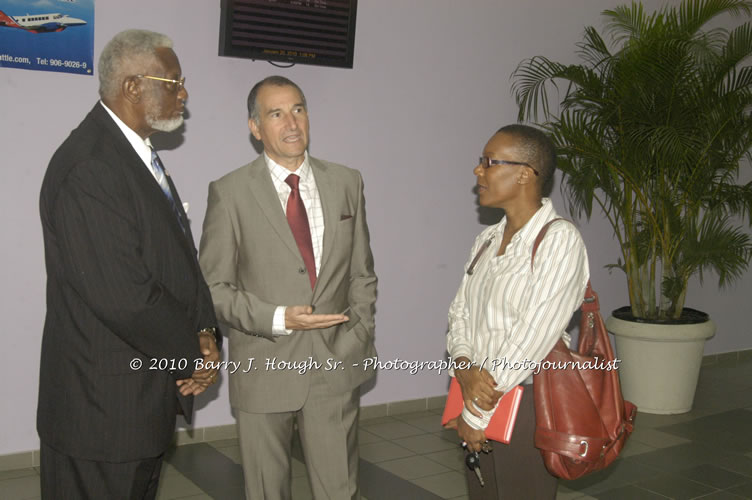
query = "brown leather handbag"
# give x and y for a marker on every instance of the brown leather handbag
(582, 420)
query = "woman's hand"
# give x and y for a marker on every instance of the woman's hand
(478, 387)
(474, 438)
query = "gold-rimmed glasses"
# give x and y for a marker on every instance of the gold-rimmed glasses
(179, 84)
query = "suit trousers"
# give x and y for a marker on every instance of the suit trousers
(68, 478)
(516, 470)
(328, 427)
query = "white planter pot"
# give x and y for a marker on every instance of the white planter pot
(660, 364)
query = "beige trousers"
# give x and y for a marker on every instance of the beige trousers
(328, 427)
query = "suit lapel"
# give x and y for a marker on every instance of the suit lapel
(155, 190)
(329, 193)
(265, 194)
(179, 206)
(149, 186)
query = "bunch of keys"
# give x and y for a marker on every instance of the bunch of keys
(472, 460)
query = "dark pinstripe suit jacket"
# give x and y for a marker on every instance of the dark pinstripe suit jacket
(123, 283)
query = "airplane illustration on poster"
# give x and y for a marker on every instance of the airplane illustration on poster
(47, 35)
(40, 23)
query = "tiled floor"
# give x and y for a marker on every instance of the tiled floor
(706, 454)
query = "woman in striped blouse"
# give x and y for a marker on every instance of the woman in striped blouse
(507, 315)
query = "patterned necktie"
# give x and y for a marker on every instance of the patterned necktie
(298, 220)
(161, 175)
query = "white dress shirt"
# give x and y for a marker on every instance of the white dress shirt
(141, 146)
(507, 314)
(309, 193)
(143, 149)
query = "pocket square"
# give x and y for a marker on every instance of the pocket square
(345, 217)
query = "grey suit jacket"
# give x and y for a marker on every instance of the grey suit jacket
(252, 265)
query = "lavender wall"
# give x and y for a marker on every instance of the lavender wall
(429, 87)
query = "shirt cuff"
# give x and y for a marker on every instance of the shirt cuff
(476, 423)
(278, 322)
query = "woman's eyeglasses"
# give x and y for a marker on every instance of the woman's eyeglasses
(487, 162)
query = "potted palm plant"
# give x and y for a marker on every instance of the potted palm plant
(652, 126)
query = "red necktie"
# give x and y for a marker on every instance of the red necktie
(298, 220)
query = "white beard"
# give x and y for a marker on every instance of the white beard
(154, 109)
(164, 125)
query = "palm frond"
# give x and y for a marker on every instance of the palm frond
(694, 14)
(530, 85)
(593, 49)
(626, 22)
(718, 247)
(737, 49)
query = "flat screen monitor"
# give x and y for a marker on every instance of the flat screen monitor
(318, 32)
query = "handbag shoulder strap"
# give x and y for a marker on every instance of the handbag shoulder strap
(540, 236)
(590, 302)
(592, 330)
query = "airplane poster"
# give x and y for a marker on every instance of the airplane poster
(47, 35)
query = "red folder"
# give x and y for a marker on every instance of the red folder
(502, 421)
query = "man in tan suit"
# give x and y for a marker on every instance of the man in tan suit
(289, 266)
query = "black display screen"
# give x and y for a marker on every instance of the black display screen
(298, 31)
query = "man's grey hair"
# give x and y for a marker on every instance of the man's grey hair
(276, 81)
(129, 53)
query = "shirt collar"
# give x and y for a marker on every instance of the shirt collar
(280, 173)
(141, 146)
(527, 234)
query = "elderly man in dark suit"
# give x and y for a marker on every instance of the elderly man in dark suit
(130, 324)
(286, 253)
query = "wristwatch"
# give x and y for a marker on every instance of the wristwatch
(213, 332)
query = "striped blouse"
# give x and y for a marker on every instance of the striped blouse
(508, 317)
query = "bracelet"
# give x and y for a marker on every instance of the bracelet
(208, 331)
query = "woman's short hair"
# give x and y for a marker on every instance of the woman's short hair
(537, 149)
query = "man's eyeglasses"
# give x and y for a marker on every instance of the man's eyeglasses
(486, 163)
(179, 84)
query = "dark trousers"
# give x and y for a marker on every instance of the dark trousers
(515, 471)
(67, 478)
